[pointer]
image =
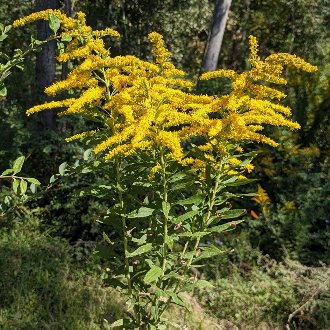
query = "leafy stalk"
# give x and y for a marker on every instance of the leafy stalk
(165, 197)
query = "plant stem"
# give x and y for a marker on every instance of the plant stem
(124, 226)
(165, 228)
(205, 223)
(11, 177)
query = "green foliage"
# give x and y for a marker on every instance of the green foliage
(184, 25)
(254, 291)
(19, 185)
(43, 285)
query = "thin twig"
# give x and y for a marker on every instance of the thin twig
(300, 308)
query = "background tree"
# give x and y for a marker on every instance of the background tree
(214, 41)
(45, 60)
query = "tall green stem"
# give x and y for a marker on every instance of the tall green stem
(165, 226)
(124, 227)
(205, 222)
(120, 195)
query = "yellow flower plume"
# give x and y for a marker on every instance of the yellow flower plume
(147, 105)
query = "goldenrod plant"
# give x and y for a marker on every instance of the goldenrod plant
(173, 155)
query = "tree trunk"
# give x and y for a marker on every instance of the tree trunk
(70, 12)
(45, 62)
(213, 44)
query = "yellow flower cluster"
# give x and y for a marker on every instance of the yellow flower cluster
(250, 104)
(262, 198)
(67, 23)
(50, 105)
(147, 105)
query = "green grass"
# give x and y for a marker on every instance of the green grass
(42, 287)
(47, 284)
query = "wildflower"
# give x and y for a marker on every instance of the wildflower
(262, 198)
(143, 105)
(80, 136)
(249, 168)
(50, 105)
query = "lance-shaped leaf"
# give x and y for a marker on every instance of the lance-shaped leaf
(176, 299)
(231, 214)
(142, 212)
(185, 216)
(140, 250)
(226, 226)
(195, 200)
(208, 252)
(153, 274)
(166, 208)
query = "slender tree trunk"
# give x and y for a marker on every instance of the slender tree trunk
(213, 44)
(46, 63)
(70, 12)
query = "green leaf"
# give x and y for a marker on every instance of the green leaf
(230, 214)
(23, 187)
(8, 171)
(230, 180)
(18, 163)
(196, 200)
(225, 227)
(140, 250)
(166, 208)
(182, 185)
(195, 234)
(118, 323)
(176, 299)
(66, 37)
(153, 274)
(33, 188)
(200, 284)
(54, 22)
(7, 28)
(170, 242)
(3, 37)
(106, 238)
(15, 185)
(52, 179)
(34, 181)
(3, 90)
(209, 252)
(141, 240)
(87, 154)
(240, 182)
(185, 216)
(7, 201)
(62, 168)
(177, 177)
(142, 212)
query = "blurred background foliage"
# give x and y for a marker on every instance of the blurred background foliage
(279, 259)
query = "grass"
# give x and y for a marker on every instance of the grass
(46, 284)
